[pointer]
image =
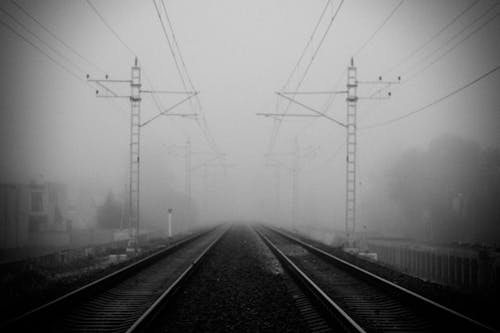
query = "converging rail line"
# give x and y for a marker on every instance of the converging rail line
(126, 300)
(355, 300)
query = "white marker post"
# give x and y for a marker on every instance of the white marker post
(170, 210)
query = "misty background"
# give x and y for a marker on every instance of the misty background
(434, 175)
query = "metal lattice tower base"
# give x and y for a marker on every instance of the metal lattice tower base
(351, 141)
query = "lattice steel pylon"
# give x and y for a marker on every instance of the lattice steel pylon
(351, 142)
(351, 131)
(135, 135)
(135, 149)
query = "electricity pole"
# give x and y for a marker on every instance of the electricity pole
(351, 145)
(277, 185)
(295, 182)
(188, 157)
(351, 132)
(135, 136)
(187, 175)
(135, 148)
(294, 170)
(277, 189)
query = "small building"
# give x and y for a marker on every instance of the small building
(33, 214)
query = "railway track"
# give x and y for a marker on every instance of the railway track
(126, 300)
(355, 300)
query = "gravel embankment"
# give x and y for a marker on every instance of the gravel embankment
(239, 288)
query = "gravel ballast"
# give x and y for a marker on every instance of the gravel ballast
(483, 308)
(238, 288)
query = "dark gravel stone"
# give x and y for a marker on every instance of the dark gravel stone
(239, 288)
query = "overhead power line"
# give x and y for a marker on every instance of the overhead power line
(50, 47)
(391, 14)
(473, 32)
(277, 125)
(433, 37)
(436, 101)
(171, 44)
(103, 20)
(309, 41)
(331, 98)
(131, 51)
(156, 100)
(51, 33)
(177, 46)
(46, 54)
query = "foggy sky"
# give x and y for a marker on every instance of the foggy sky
(238, 53)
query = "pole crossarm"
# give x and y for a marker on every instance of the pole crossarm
(287, 115)
(206, 153)
(107, 89)
(279, 164)
(380, 81)
(312, 92)
(169, 92)
(207, 162)
(227, 165)
(168, 110)
(311, 151)
(374, 97)
(112, 96)
(313, 110)
(273, 155)
(101, 83)
(107, 80)
(377, 94)
(184, 115)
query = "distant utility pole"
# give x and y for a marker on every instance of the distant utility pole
(351, 145)
(135, 135)
(187, 158)
(277, 189)
(294, 170)
(188, 154)
(204, 165)
(212, 164)
(295, 182)
(351, 132)
(170, 210)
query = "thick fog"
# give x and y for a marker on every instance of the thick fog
(238, 55)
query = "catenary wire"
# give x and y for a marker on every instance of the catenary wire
(433, 37)
(434, 102)
(51, 33)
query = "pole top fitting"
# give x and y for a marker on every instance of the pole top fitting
(136, 61)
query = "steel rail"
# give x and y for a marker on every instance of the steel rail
(148, 317)
(334, 314)
(436, 311)
(53, 309)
